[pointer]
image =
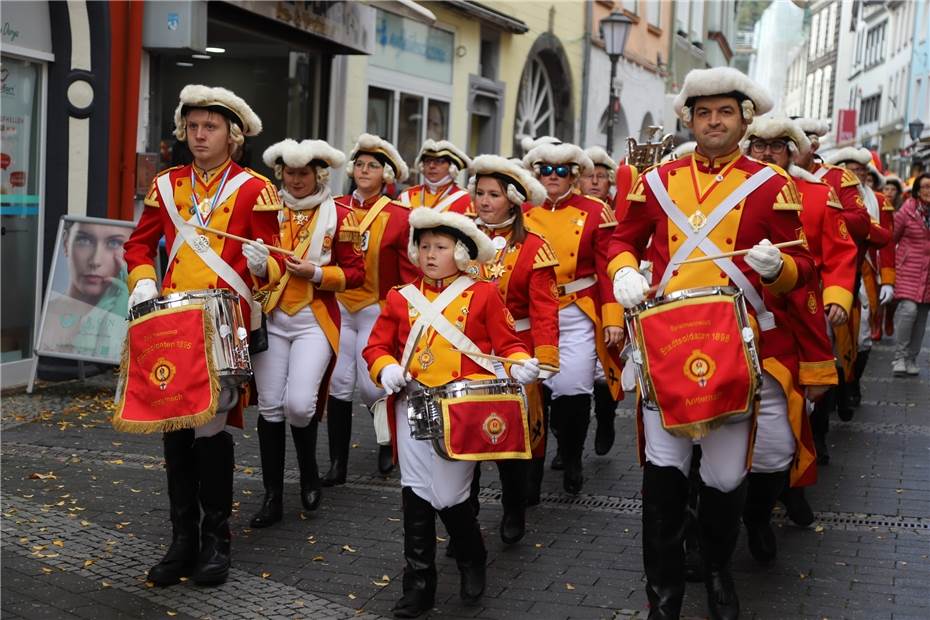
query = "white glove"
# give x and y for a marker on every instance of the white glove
(143, 291)
(393, 378)
(630, 287)
(527, 372)
(256, 257)
(765, 259)
(886, 294)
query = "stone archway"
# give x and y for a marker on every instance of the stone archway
(544, 100)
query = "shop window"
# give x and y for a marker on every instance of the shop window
(409, 126)
(380, 112)
(489, 54)
(437, 120)
(399, 118)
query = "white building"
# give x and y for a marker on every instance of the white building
(777, 33)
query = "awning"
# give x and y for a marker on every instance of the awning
(486, 14)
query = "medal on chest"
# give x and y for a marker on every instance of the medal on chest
(301, 218)
(365, 236)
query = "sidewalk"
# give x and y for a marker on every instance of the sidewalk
(84, 514)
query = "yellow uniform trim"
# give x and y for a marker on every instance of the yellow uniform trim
(612, 314)
(141, 272)
(849, 179)
(379, 365)
(804, 458)
(268, 199)
(621, 260)
(787, 279)
(334, 279)
(887, 275)
(547, 354)
(545, 257)
(839, 296)
(818, 373)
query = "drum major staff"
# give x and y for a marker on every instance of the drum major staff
(523, 268)
(714, 201)
(425, 326)
(382, 226)
(212, 191)
(292, 376)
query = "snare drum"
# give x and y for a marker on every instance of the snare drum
(471, 420)
(230, 341)
(696, 359)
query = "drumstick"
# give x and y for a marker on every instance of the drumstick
(507, 360)
(222, 233)
(416, 341)
(701, 259)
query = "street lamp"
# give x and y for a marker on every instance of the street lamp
(615, 28)
(915, 128)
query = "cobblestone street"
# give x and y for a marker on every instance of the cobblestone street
(85, 514)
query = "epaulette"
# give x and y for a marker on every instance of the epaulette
(348, 230)
(788, 198)
(638, 193)
(781, 171)
(886, 206)
(608, 219)
(258, 175)
(268, 199)
(151, 198)
(400, 204)
(849, 179)
(834, 201)
(545, 257)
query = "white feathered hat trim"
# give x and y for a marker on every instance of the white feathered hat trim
(563, 153)
(773, 127)
(479, 247)
(521, 185)
(876, 175)
(383, 151)
(221, 100)
(813, 126)
(721, 81)
(892, 179)
(599, 157)
(685, 148)
(800, 173)
(528, 144)
(850, 153)
(442, 148)
(295, 154)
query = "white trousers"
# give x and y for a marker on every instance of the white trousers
(775, 446)
(289, 373)
(865, 330)
(351, 369)
(577, 354)
(440, 482)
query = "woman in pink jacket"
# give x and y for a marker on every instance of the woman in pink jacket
(912, 284)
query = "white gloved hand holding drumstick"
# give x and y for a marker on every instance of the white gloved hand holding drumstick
(144, 290)
(256, 257)
(765, 259)
(526, 371)
(394, 378)
(630, 287)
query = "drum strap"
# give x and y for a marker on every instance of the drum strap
(699, 239)
(213, 260)
(431, 316)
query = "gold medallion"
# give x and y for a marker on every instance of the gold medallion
(496, 271)
(697, 220)
(426, 358)
(301, 218)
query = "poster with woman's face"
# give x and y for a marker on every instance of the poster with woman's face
(87, 300)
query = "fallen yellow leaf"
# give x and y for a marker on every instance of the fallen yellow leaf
(38, 476)
(46, 570)
(348, 548)
(266, 575)
(115, 462)
(58, 543)
(88, 563)
(318, 558)
(569, 586)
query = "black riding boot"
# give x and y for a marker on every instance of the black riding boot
(605, 410)
(855, 389)
(665, 495)
(470, 554)
(820, 422)
(844, 388)
(796, 505)
(419, 555)
(719, 516)
(215, 460)
(514, 474)
(761, 494)
(271, 442)
(576, 416)
(473, 500)
(339, 429)
(181, 467)
(694, 565)
(305, 443)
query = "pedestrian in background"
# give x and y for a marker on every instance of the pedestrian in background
(912, 287)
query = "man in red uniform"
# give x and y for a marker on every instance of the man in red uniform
(440, 163)
(712, 202)
(213, 191)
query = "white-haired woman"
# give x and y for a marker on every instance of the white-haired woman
(382, 227)
(302, 315)
(578, 230)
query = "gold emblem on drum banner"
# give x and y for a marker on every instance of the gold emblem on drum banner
(162, 373)
(697, 220)
(494, 428)
(699, 367)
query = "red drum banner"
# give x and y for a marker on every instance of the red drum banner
(168, 377)
(700, 369)
(485, 428)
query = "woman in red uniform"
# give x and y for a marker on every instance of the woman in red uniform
(303, 317)
(523, 268)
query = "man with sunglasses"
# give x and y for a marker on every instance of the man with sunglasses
(440, 163)
(780, 141)
(714, 201)
(590, 328)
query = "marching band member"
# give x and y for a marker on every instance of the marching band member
(877, 266)
(779, 141)
(523, 268)
(714, 201)
(303, 317)
(598, 184)
(382, 227)
(447, 304)
(212, 191)
(577, 229)
(440, 163)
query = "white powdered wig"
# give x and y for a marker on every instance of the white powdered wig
(522, 186)
(721, 81)
(773, 127)
(463, 227)
(200, 96)
(396, 168)
(563, 153)
(850, 153)
(443, 148)
(600, 157)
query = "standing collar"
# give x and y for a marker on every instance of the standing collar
(707, 164)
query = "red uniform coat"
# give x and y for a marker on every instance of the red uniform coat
(250, 212)
(384, 241)
(846, 186)
(420, 196)
(625, 179)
